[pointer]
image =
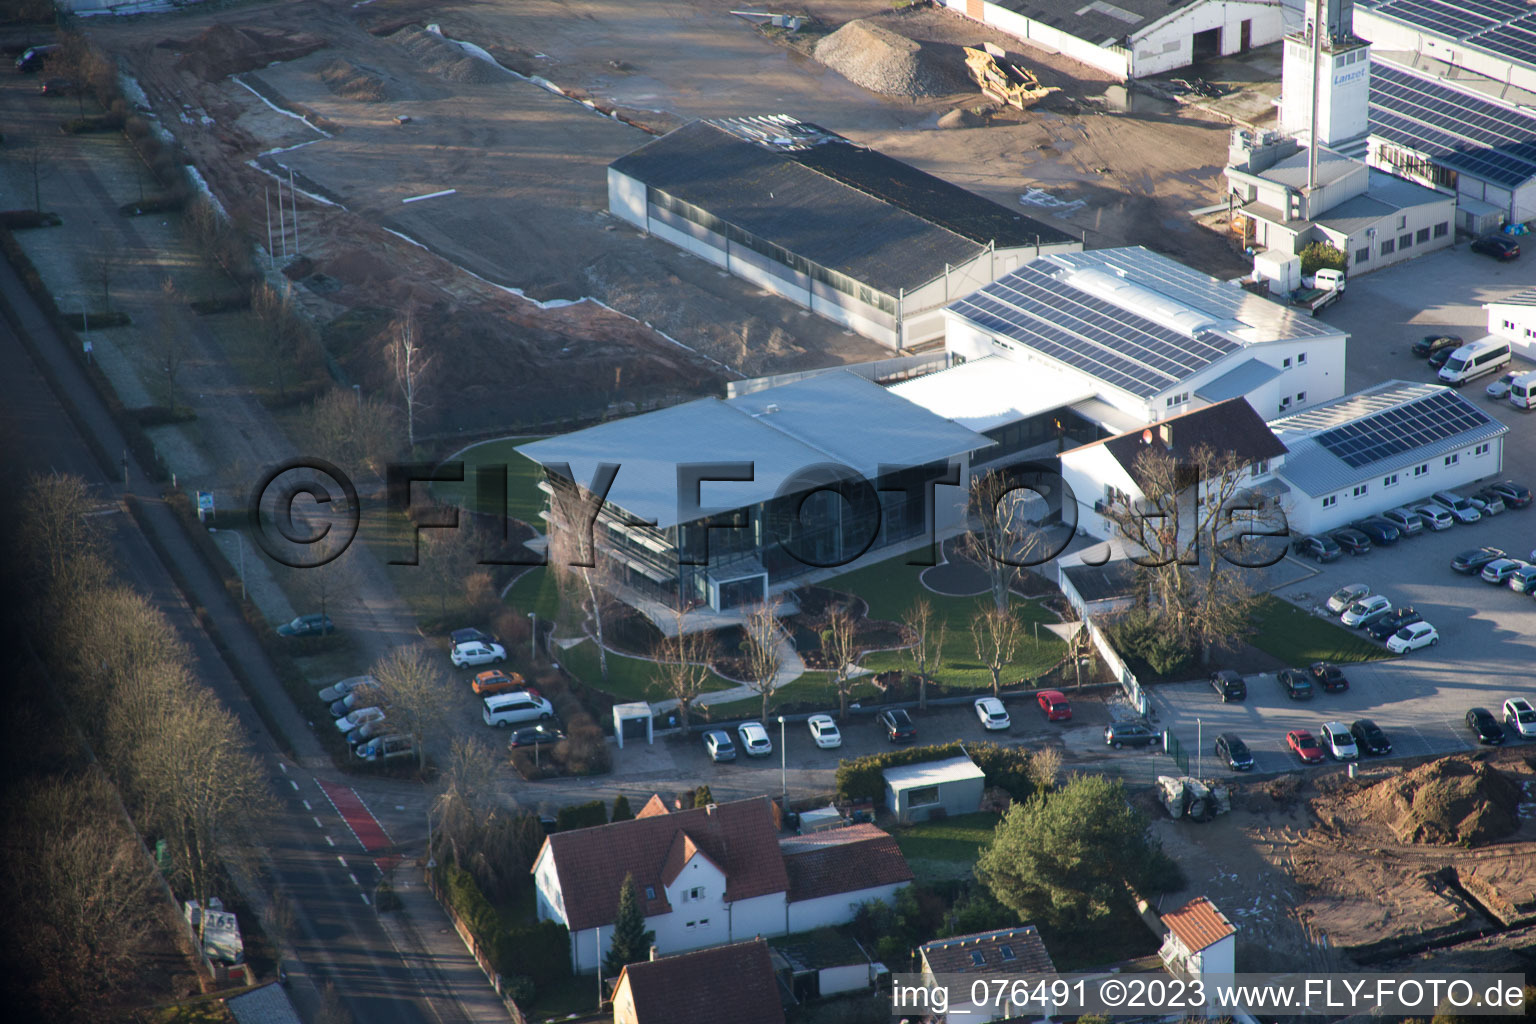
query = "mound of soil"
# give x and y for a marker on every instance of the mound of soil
(223, 50)
(1450, 801)
(442, 57)
(351, 82)
(888, 63)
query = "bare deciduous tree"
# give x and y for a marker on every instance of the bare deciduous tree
(761, 647)
(33, 154)
(361, 433)
(1003, 537)
(448, 559)
(170, 344)
(682, 663)
(1044, 767)
(415, 690)
(411, 365)
(927, 633)
(839, 642)
(996, 635)
(280, 326)
(467, 796)
(59, 536)
(573, 557)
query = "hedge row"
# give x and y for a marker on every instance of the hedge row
(587, 815)
(540, 953)
(96, 321)
(17, 220)
(863, 778)
(154, 204)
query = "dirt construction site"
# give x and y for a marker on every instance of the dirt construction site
(430, 139)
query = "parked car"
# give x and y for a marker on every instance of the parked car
(1501, 569)
(1484, 726)
(1231, 749)
(992, 713)
(1412, 637)
(1459, 507)
(1229, 685)
(361, 697)
(59, 87)
(718, 745)
(1369, 738)
(1488, 501)
(824, 731)
(308, 625)
(338, 690)
(1346, 596)
(370, 730)
(494, 680)
(534, 736)
(1519, 715)
(1500, 247)
(897, 724)
(1514, 495)
(1500, 387)
(477, 652)
(1339, 742)
(32, 57)
(1523, 580)
(1296, 685)
(1366, 611)
(1380, 531)
(1329, 676)
(1389, 624)
(1134, 733)
(1473, 560)
(1408, 522)
(1440, 357)
(1304, 745)
(1318, 547)
(1352, 540)
(1432, 343)
(468, 636)
(356, 717)
(1055, 705)
(386, 748)
(506, 709)
(754, 739)
(1435, 517)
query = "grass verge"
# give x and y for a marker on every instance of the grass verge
(1299, 638)
(524, 499)
(943, 850)
(628, 678)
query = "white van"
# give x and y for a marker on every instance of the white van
(1522, 391)
(515, 708)
(1471, 361)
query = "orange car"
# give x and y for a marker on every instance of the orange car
(497, 681)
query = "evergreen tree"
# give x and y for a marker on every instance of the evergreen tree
(702, 797)
(621, 811)
(631, 942)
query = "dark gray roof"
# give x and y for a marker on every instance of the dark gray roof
(1105, 582)
(1100, 22)
(1230, 426)
(836, 204)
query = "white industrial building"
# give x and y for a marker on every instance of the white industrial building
(865, 240)
(1134, 38)
(1428, 90)
(1291, 201)
(1077, 346)
(1514, 318)
(1390, 445)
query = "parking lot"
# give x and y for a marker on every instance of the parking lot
(1487, 645)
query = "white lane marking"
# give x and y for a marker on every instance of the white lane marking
(330, 840)
(295, 785)
(306, 805)
(282, 767)
(342, 859)
(354, 880)
(316, 821)
(365, 898)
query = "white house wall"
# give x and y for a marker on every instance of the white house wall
(838, 908)
(1307, 514)
(1517, 324)
(685, 234)
(546, 883)
(1169, 44)
(627, 198)
(1113, 59)
(848, 978)
(1088, 472)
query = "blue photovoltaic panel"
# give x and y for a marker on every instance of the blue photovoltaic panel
(1406, 428)
(1452, 128)
(1112, 343)
(1506, 28)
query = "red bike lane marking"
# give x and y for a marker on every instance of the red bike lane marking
(365, 828)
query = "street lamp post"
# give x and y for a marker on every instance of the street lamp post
(1199, 744)
(783, 771)
(533, 637)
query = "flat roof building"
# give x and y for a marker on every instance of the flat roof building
(861, 238)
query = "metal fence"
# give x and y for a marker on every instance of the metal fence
(1176, 750)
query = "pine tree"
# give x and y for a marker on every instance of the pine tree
(621, 811)
(631, 942)
(702, 797)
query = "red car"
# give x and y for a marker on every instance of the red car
(1305, 745)
(1055, 705)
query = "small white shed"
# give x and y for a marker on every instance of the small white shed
(633, 719)
(914, 791)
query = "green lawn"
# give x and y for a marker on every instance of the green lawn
(949, 848)
(1299, 638)
(813, 686)
(536, 591)
(524, 499)
(628, 678)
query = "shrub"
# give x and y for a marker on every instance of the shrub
(95, 321)
(519, 988)
(223, 304)
(153, 204)
(1321, 256)
(862, 778)
(16, 220)
(587, 815)
(111, 121)
(1006, 767)
(160, 416)
(621, 811)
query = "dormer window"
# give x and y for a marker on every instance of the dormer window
(1006, 951)
(978, 959)
(650, 892)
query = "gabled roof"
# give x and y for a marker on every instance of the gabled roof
(654, 806)
(781, 432)
(732, 983)
(821, 197)
(1230, 426)
(1006, 951)
(738, 837)
(684, 849)
(844, 860)
(1198, 924)
(1381, 430)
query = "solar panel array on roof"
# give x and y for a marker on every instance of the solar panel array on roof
(1506, 28)
(1404, 428)
(1117, 346)
(1461, 131)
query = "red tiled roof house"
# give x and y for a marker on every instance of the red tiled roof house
(732, 983)
(1200, 940)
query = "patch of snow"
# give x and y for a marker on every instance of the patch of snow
(201, 184)
(289, 149)
(429, 195)
(288, 113)
(288, 183)
(1040, 197)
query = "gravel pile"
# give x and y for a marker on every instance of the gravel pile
(441, 57)
(351, 82)
(885, 62)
